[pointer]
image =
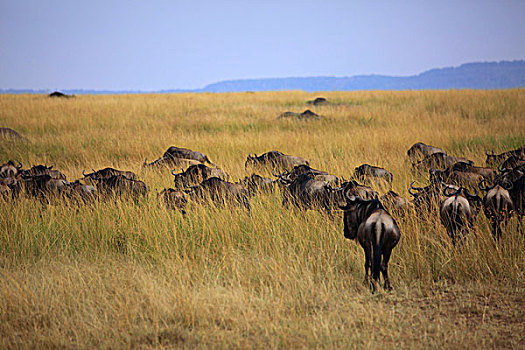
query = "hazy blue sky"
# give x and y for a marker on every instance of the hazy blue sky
(153, 45)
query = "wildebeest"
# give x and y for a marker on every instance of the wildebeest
(394, 202)
(437, 161)
(275, 160)
(8, 133)
(517, 194)
(420, 150)
(458, 212)
(365, 171)
(377, 233)
(256, 183)
(462, 174)
(77, 191)
(59, 94)
(10, 186)
(306, 192)
(511, 175)
(169, 162)
(303, 168)
(495, 160)
(174, 199)
(43, 170)
(184, 153)
(220, 192)
(195, 174)
(5, 191)
(308, 114)
(511, 163)
(426, 197)
(121, 185)
(44, 186)
(9, 169)
(353, 188)
(497, 205)
(106, 173)
(317, 101)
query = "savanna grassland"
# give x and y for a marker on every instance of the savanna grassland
(124, 274)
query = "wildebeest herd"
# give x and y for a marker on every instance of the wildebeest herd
(452, 191)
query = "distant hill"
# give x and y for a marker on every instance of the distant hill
(480, 75)
(493, 75)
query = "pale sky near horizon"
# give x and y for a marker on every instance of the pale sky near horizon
(155, 45)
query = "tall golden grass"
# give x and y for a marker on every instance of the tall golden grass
(121, 274)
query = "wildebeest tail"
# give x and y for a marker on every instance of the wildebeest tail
(377, 238)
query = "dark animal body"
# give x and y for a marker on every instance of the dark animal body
(8, 133)
(195, 174)
(121, 185)
(425, 198)
(256, 183)
(169, 162)
(275, 160)
(43, 170)
(517, 194)
(377, 233)
(44, 186)
(437, 161)
(458, 212)
(495, 160)
(511, 163)
(462, 174)
(58, 94)
(79, 192)
(497, 205)
(303, 169)
(353, 188)
(308, 114)
(107, 173)
(318, 101)
(394, 202)
(366, 171)
(306, 192)
(184, 153)
(420, 150)
(174, 199)
(220, 192)
(10, 169)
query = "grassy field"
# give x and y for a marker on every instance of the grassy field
(135, 275)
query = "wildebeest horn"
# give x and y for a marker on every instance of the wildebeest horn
(446, 194)
(172, 172)
(19, 166)
(84, 173)
(507, 184)
(414, 188)
(469, 194)
(485, 188)
(145, 162)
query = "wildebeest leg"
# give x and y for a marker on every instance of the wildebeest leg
(368, 264)
(496, 231)
(384, 268)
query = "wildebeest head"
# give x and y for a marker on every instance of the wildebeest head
(420, 149)
(9, 169)
(494, 160)
(250, 160)
(355, 210)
